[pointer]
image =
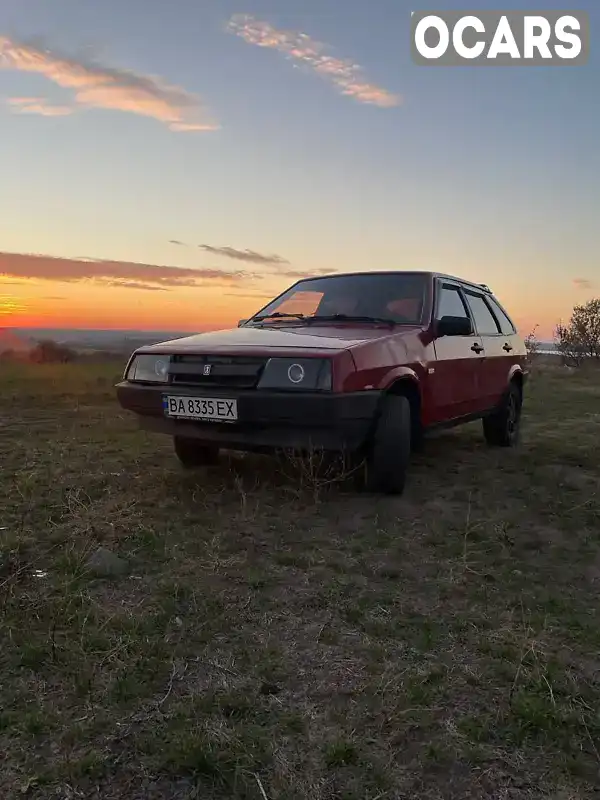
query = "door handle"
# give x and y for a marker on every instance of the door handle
(477, 348)
(507, 347)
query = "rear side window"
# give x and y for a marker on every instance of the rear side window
(484, 319)
(451, 304)
(505, 324)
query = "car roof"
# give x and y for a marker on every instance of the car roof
(427, 273)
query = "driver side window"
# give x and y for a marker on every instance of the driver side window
(451, 303)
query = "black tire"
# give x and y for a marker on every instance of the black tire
(502, 427)
(390, 448)
(192, 453)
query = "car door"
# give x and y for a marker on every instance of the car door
(513, 347)
(494, 369)
(512, 344)
(454, 381)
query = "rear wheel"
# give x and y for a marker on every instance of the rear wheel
(502, 427)
(192, 453)
(389, 451)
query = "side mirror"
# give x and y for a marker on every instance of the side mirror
(454, 326)
(242, 322)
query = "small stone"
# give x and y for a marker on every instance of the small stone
(106, 564)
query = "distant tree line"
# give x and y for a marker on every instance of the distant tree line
(578, 342)
(49, 352)
(44, 352)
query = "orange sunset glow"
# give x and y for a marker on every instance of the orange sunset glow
(54, 305)
(144, 298)
(31, 303)
(48, 292)
(178, 177)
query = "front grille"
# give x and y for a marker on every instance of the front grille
(235, 372)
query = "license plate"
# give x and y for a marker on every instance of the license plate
(203, 408)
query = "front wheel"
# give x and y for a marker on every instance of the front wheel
(390, 448)
(502, 427)
(192, 453)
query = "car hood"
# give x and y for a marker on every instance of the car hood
(301, 337)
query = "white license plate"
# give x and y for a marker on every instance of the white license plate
(217, 409)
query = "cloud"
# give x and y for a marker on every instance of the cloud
(177, 242)
(125, 274)
(137, 285)
(298, 274)
(10, 305)
(583, 283)
(244, 255)
(345, 75)
(37, 105)
(97, 86)
(250, 294)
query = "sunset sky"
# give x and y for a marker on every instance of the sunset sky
(172, 165)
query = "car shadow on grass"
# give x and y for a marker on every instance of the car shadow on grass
(447, 457)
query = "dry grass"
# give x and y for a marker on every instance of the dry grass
(274, 641)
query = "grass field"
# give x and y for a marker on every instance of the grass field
(278, 638)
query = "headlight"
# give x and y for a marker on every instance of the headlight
(306, 374)
(149, 369)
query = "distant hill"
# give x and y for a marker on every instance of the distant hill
(10, 340)
(117, 341)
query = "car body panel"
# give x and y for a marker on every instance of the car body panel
(399, 354)
(496, 370)
(328, 420)
(492, 372)
(503, 353)
(454, 383)
(290, 336)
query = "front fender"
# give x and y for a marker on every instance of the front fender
(397, 374)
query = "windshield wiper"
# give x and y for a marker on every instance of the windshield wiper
(351, 318)
(277, 315)
(326, 318)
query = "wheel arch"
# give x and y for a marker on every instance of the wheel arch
(517, 378)
(408, 386)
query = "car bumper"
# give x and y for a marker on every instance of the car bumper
(266, 420)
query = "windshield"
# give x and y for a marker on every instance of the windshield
(395, 296)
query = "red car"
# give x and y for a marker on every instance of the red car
(361, 363)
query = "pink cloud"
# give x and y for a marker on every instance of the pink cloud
(244, 255)
(344, 74)
(114, 273)
(96, 86)
(37, 105)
